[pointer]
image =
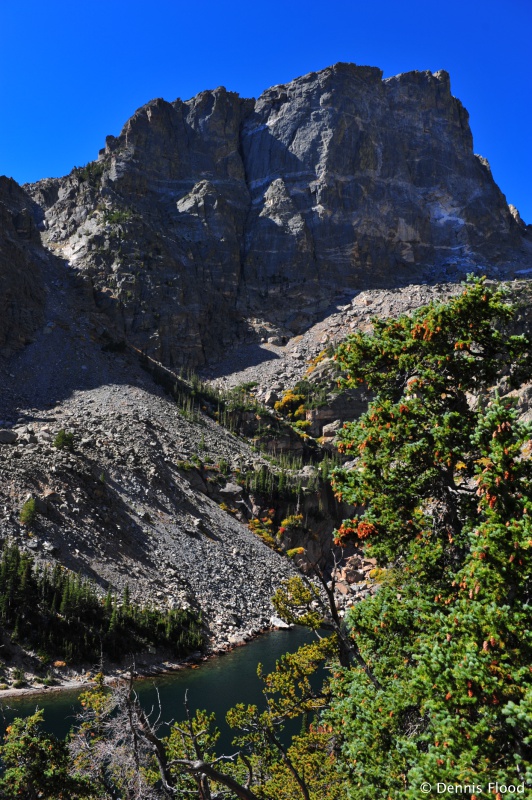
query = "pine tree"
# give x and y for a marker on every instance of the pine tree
(443, 487)
(126, 597)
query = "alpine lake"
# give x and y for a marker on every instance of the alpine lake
(214, 685)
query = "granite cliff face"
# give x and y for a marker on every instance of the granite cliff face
(21, 288)
(221, 219)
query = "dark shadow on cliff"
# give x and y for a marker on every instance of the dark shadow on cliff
(238, 358)
(68, 352)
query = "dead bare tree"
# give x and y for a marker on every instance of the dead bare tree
(117, 742)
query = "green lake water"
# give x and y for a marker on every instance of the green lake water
(217, 685)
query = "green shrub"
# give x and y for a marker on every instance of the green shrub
(295, 551)
(186, 466)
(28, 512)
(49, 680)
(19, 677)
(292, 405)
(90, 173)
(117, 216)
(223, 466)
(302, 424)
(292, 523)
(263, 528)
(64, 440)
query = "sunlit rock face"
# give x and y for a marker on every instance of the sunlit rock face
(356, 181)
(207, 218)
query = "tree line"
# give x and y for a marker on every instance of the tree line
(60, 614)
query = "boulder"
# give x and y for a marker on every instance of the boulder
(332, 428)
(270, 398)
(231, 490)
(277, 622)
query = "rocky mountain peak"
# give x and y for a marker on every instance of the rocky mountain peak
(206, 215)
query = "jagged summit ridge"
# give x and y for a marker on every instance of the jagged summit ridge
(208, 219)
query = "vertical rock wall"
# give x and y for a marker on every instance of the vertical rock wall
(205, 216)
(21, 289)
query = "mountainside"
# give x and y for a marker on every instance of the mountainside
(246, 238)
(21, 286)
(221, 219)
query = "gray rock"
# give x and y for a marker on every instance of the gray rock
(332, 428)
(230, 212)
(270, 398)
(8, 437)
(232, 489)
(277, 622)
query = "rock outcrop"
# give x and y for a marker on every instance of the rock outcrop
(22, 294)
(208, 219)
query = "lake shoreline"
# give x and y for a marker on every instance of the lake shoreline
(143, 671)
(216, 685)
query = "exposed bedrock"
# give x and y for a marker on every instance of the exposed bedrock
(205, 219)
(22, 295)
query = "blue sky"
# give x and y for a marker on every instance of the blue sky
(72, 73)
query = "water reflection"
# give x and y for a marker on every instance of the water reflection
(216, 685)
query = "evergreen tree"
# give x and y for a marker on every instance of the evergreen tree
(36, 765)
(442, 475)
(60, 613)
